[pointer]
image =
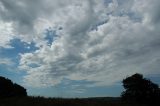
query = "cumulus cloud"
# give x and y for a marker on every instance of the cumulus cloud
(6, 34)
(100, 41)
(6, 61)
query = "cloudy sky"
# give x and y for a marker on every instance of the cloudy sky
(78, 48)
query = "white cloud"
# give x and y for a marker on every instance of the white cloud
(98, 42)
(6, 34)
(6, 61)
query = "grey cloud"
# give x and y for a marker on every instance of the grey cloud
(120, 46)
(21, 13)
(25, 14)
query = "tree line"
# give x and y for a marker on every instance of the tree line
(137, 89)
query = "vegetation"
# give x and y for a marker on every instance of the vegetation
(40, 101)
(138, 92)
(10, 89)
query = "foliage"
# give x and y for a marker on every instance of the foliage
(10, 89)
(139, 89)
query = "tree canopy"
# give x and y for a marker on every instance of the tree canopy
(139, 89)
(10, 89)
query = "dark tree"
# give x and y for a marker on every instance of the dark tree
(10, 89)
(139, 89)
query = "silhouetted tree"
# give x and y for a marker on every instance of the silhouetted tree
(139, 89)
(9, 89)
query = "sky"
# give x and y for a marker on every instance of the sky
(78, 48)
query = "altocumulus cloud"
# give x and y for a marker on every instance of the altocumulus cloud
(100, 41)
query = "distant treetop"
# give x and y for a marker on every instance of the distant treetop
(10, 89)
(139, 89)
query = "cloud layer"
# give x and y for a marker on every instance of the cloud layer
(98, 41)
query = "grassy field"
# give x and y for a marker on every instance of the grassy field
(40, 101)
